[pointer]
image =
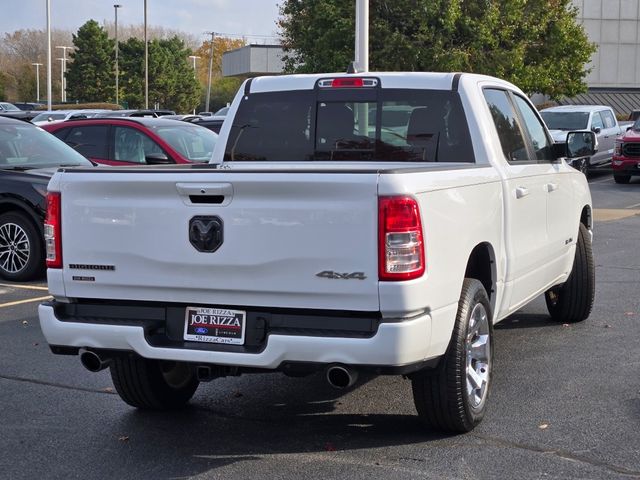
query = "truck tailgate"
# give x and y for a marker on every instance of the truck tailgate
(131, 235)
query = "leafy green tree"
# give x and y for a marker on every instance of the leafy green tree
(91, 75)
(536, 44)
(172, 83)
(26, 88)
(3, 80)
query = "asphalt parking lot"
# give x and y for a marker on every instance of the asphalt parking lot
(565, 402)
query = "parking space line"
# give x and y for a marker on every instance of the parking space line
(26, 287)
(18, 302)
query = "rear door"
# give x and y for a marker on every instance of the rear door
(526, 185)
(299, 239)
(607, 137)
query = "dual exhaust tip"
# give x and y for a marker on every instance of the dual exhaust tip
(341, 376)
(338, 376)
(92, 361)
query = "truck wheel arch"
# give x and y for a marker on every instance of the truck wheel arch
(481, 265)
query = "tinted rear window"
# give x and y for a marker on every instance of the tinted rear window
(414, 126)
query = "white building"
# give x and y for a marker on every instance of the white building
(613, 26)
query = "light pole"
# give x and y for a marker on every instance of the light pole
(194, 57)
(146, 60)
(61, 79)
(64, 71)
(213, 35)
(115, 8)
(37, 65)
(49, 55)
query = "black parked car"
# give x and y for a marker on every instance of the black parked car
(28, 158)
(212, 123)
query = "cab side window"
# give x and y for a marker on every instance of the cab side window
(507, 125)
(596, 121)
(89, 140)
(535, 129)
(607, 117)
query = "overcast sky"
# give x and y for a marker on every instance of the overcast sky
(242, 17)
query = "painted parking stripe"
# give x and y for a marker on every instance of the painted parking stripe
(18, 302)
(26, 287)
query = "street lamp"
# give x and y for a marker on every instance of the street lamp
(37, 65)
(213, 35)
(194, 57)
(64, 71)
(49, 55)
(115, 8)
(146, 60)
(61, 79)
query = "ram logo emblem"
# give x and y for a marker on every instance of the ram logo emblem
(205, 233)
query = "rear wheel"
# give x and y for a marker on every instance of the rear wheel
(153, 384)
(621, 178)
(453, 397)
(572, 301)
(21, 248)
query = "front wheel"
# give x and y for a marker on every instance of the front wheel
(582, 166)
(572, 301)
(153, 384)
(621, 178)
(453, 397)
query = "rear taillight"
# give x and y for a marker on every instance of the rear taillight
(400, 243)
(52, 231)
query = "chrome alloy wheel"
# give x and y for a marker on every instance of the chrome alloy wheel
(478, 348)
(14, 248)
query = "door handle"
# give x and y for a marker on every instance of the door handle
(522, 192)
(552, 187)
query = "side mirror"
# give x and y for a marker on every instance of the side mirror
(157, 159)
(629, 128)
(581, 144)
(596, 130)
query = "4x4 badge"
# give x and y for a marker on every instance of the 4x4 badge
(341, 276)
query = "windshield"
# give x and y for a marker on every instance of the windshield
(566, 120)
(9, 107)
(191, 141)
(45, 117)
(344, 124)
(26, 146)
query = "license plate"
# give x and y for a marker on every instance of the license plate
(215, 325)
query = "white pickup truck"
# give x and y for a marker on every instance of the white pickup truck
(379, 222)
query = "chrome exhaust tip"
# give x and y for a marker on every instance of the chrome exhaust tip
(341, 377)
(92, 361)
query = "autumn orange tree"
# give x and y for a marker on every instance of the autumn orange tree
(222, 88)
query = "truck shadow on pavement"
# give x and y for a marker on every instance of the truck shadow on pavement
(274, 415)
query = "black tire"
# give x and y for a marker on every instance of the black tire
(153, 384)
(582, 166)
(573, 300)
(442, 396)
(621, 178)
(21, 248)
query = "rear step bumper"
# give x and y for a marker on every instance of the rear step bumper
(394, 344)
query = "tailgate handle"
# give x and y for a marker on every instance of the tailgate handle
(206, 193)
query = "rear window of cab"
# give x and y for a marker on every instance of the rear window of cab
(349, 124)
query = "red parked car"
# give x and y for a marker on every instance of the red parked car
(626, 155)
(135, 141)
